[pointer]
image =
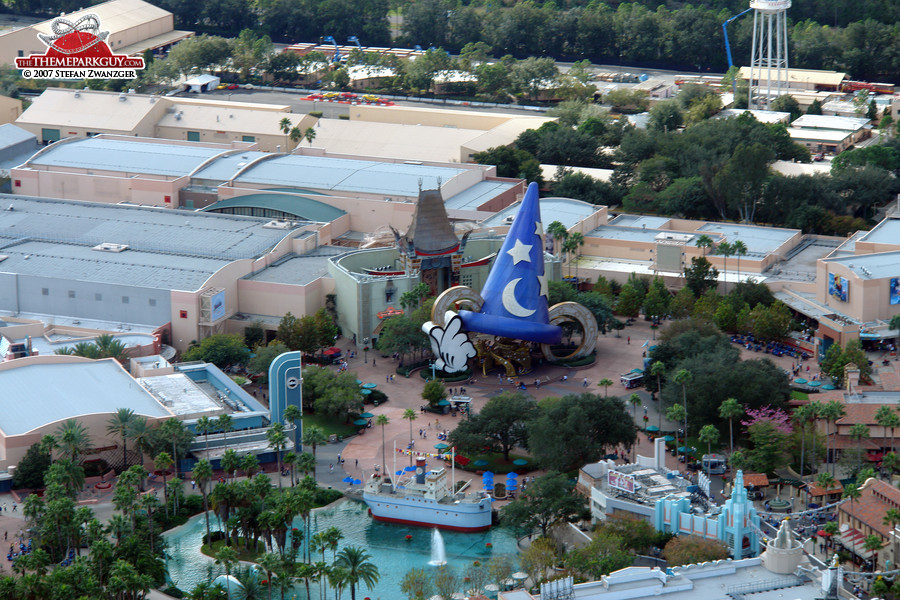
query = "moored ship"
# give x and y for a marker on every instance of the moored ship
(425, 499)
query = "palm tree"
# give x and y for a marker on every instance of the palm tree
(572, 244)
(204, 425)
(269, 563)
(285, 125)
(739, 249)
(73, 439)
(225, 424)
(634, 400)
(859, 432)
(873, 543)
(725, 250)
(277, 442)
(314, 436)
(310, 135)
(605, 383)
(803, 414)
(110, 347)
(383, 420)
(290, 461)
(306, 463)
(296, 135)
(731, 409)
(683, 377)
(163, 461)
(411, 416)
(705, 242)
(230, 462)
(227, 557)
(890, 462)
(831, 411)
(292, 414)
(825, 481)
(357, 563)
(558, 232)
(710, 435)
(887, 418)
(120, 424)
(141, 435)
(202, 474)
(891, 517)
(852, 493)
(249, 465)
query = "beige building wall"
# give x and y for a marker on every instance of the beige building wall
(434, 117)
(10, 109)
(277, 299)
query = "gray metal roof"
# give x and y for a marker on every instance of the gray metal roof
(299, 270)
(565, 210)
(886, 232)
(132, 267)
(68, 390)
(871, 266)
(639, 221)
(166, 231)
(173, 160)
(366, 176)
(478, 194)
(760, 241)
(633, 234)
(224, 168)
(167, 249)
(11, 135)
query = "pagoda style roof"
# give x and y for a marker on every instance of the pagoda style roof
(431, 233)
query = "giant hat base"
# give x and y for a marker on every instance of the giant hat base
(517, 329)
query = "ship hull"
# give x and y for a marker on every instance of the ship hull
(454, 517)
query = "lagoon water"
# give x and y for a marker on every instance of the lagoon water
(386, 542)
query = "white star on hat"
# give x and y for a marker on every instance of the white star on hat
(520, 252)
(545, 289)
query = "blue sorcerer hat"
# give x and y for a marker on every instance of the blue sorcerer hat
(515, 293)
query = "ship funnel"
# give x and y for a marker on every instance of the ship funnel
(420, 470)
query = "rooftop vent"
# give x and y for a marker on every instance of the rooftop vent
(510, 218)
(110, 247)
(279, 225)
(122, 97)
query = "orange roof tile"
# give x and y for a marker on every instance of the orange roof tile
(756, 480)
(813, 489)
(860, 413)
(874, 501)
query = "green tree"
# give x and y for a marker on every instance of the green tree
(417, 584)
(228, 558)
(656, 302)
(692, 549)
(558, 232)
(700, 276)
(500, 425)
(433, 392)
(31, 469)
(666, 116)
(221, 349)
(225, 423)
(410, 415)
(788, 104)
(739, 249)
(831, 411)
(163, 462)
(604, 554)
(578, 429)
(264, 355)
(382, 420)
(682, 304)
(548, 500)
(629, 303)
(309, 135)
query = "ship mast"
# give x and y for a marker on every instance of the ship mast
(453, 472)
(394, 469)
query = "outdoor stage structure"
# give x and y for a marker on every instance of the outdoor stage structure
(512, 307)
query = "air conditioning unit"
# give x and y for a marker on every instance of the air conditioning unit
(510, 218)
(110, 247)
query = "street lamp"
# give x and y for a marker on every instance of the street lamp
(366, 354)
(433, 376)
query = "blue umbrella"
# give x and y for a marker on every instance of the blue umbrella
(828, 386)
(399, 473)
(800, 381)
(488, 485)
(814, 383)
(481, 463)
(511, 475)
(511, 485)
(347, 479)
(409, 469)
(356, 482)
(521, 462)
(488, 474)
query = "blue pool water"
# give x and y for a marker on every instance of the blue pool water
(386, 542)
